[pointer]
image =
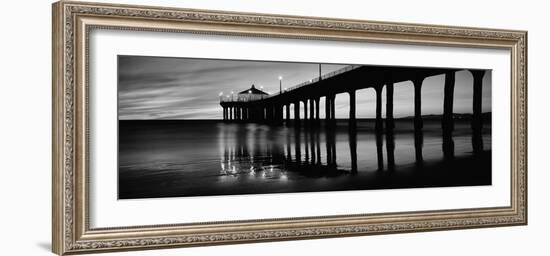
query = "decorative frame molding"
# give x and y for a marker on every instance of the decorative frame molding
(72, 22)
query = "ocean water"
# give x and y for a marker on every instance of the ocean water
(175, 158)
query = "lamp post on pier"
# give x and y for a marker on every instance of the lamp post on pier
(280, 84)
(262, 88)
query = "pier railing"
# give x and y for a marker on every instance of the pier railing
(289, 89)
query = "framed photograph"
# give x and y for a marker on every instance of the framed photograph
(178, 127)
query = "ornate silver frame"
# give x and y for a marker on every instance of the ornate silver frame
(72, 21)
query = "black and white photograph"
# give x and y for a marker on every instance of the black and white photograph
(275, 127)
(212, 127)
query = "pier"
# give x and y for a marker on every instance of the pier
(274, 109)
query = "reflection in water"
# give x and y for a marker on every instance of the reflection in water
(390, 148)
(379, 151)
(448, 144)
(352, 137)
(477, 140)
(418, 143)
(179, 158)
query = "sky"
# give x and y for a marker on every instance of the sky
(184, 88)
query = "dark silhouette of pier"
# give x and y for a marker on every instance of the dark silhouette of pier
(275, 109)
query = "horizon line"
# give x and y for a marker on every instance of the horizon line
(301, 119)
